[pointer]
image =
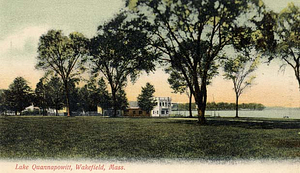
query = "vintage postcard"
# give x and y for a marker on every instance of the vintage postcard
(150, 86)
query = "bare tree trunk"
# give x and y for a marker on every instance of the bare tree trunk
(298, 78)
(114, 98)
(200, 101)
(203, 107)
(68, 98)
(237, 106)
(190, 105)
(44, 111)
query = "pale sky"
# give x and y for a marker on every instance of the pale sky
(22, 22)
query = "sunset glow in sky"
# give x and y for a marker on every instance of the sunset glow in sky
(23, 22)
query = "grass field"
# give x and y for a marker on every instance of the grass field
(148, 138)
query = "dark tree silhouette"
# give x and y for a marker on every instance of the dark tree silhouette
(191, 35)
(120, 53)
(146, 99)
(19, 95)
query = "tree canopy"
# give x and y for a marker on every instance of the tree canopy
(119, 53)
(19, 95)
(239, 70)
(288, 43)
(191, 35)
(62, 55)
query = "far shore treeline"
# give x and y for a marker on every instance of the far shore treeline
(220, 106)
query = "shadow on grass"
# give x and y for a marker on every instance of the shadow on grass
(247, 123)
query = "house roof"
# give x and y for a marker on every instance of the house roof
(133, 104)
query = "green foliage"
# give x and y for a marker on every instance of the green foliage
(55, 93)
(18, 96)
(40, 98)
(104, 99)
(239, 70)
(74, 94)
(191, 35)
(185, 106)
(222, 106)
(87, 97)
(49, 94)
(232, 106)
(62, 55)
(2, 101)
(177, 81)
(146, 100)
(119, 53)
(121, 100)
(288, 31)
(94, 94)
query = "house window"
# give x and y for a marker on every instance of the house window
(133, 112)
(153, 112)
(140, 112)
(159, 103)
(162, 112)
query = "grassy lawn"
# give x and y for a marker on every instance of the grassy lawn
(148, 138)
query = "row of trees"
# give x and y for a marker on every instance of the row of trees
(232, 106)
(221, 106)
(116, 53)
(191, 38)
(50, 94)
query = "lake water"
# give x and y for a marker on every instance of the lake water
(293, 113)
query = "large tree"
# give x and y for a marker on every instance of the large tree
(146, 100)
(288, 32)
(240, 70)
(63, 55)
(19, 95)
(178, 83)
(119, 53)
(191, 35)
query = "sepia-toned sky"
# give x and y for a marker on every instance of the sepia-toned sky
(22, 22)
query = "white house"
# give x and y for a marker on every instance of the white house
(163, 107)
